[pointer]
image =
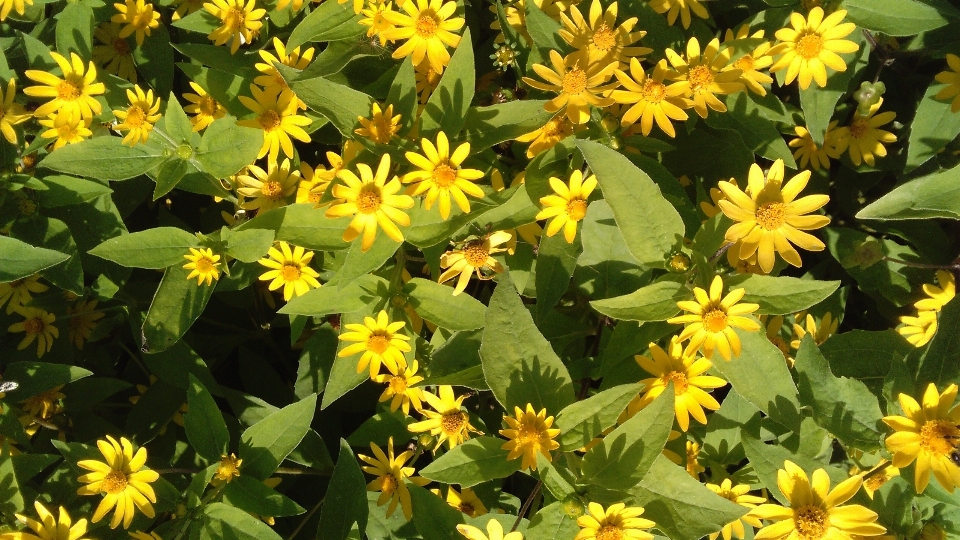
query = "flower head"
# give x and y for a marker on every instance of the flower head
(828, 327)
(673, 8)
(72, 95)
(738, 494)
(863, 138)
(50, 527)
(812, 45)
(391, 478)
(494, 532)
(474, 257)
(917, 330)
(137, 17)
(276, 114)
(579, 84)
(441, 175)
(375, 20)
(693, 466)
(239, 21)
(122, 479)
(381, 127)
(751, 64)
(82, 319)
(115, 51)
(380, 341)
(927, 433)
(401, 390)
(446, 421)
(544, 138)
(65, 129)
(712, 318)
(266, 190)
(313, 184)
(202, 265)
(11, 113)
(37, 326)
(18, 293)
(290, 269)
(600, 38)
(568, 204)
(227, 469)
(951, 78)
(701, 75)
(808, 152)
(616, 522)
(140, 116)
(650, 99)
(876, 477)
(203, 107)
(293, 58)
(428, 27)
(466, 501)
(529, 433)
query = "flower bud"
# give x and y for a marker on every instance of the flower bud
(573, 506)
(678, 263)
(868, 95)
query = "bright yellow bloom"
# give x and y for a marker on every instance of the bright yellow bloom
(876, 477)
(73, 94)
(863, 138)
(578, 83)
(239, 21)
(807, 151)
(738, 494)
(950, 77)
(828, 327)
(815, 511)
(680, 7)
(18, 292)
(812, 45)
(650, 99)
(65, 129)
(185, 7)
(616, 522)
(313, 184)
(381, 127)
(712, 318)
(391, 477)
(380, 341)
(19, 5)
(227, 469)
(266, 190)
(494, 530)
(11, 113)
(203, 266)
(276, 114)
(428, 28)
(541, 139)
(529, 433)
(137, 16)
(37, 325)
(82, 320)
(716, 195)
(771, 217)
(295, 4)
(351, 149)
(372, 201)
(203, 107)
(473, 258)
(466, 501)
(271, 76)
(375, 20)
(140, 116)
(927, 434)
(701, 76)
(918, 330)
(290, 270)
(426, 82)
(600, 38)
(693, 466)
(49, 527)
(441, 175)
(122, 479)
(751, 63)
(447, 422)
(401, 389)
(568, 205)
(115, 52)
(686, 372)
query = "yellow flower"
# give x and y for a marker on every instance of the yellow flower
(138, 16)
(494, 530)
(37, 325)
(19, 5)
(381, 127)
(738, 494)
(227, 469)
(115, 51)
(712, 318)
(466, 501)
(276, 114)
(428, 28)
(541, 139)
(372, 201)
(376, 21)
(474, 257)
(380, 341)
(72, 95)
(716, 195)
(876, 477)
(49, 527)
(701, 77)
(203, 107)
(812, 45)
(950, 77)
(828, 327)
(447, 422)
(693, 466)
(529, 433)
(203, 265)
(11, 113)
(426, 82)
(919, 330)
(313, 184)
(650, 99)
(751, 63)
(771, 217)
(18, 292)
(140, 116)
(578, 87)
(185, 7)
(927, 434)
(65, 129)
(122, 479)
(600, 38)
(290, 270)
(357, 5)
(680, 7)
(568, 205)
(239, 21)
(272, 77)
(82, 320)
(863, 138)
(686, 372)
(391, 477)
(44, 405)
(441, 175)
(807, 151)
(815, 510)
(351, 149)
(296, 5)
(401, 390)
(616, 522)
(266, 190)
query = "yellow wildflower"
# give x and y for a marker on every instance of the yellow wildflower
(115, 52)
(82, 320)
(18, 292)
(122, 479)
(313, 184)
(600, 38)
(447, 422)
(37, 325)
(812, 45)
(202, 264)
(138, 17)
(266, 190)
(951, 78)
(473, 258)
(441, 175)
(49, 527)
(649, 99)
(927, 434)
(712, 318)
(73, 94)
(227, 469)
(239, 22)
(738, 494)
(544, 138)
(751, 63)
(294, 59)
(701, 77)
(290, 270)
(568, 205)
(391, 477)
(494, 530)
(828, 327)
(381, 127)
(380, 341)
(807, 151)
(466, 501)
(863, 138)
(140, 116)
(530, 433)
(65, 129)
(578, 87)
(428, 27)
(20, 6)
(11, 113)
(401, 390)
(617, 521)
(918, 330)
(376, 21)
(276, 114)
(203, 107)
(673, 8)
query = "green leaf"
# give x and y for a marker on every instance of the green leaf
(721, 153)
(344, 375)
(518, 363)
(177, 125)
(176, 305)
(302, 225)
(556, 260)
(428, 228)
(228, 522)
(327, 22)
(446, 110)
(933, 127)
(75, 30)
(650, 225)
(472, 462)
(154, 60)
(346, 499)
(264, 445)
(67, 190)
(865, 356)
(933, 196)
(330, 299)
(255, 497)
(655, 302)
(153, 248)
(340, 104)
(488, 126)
(403, 94)
(19, 259)
(940, 363)
(436, 303)
(544, 31)
(36, 377)
(624, 456)
(433, 517)
(457, 362)
(583, 420)
(225, 147)
(379, 428)
(605, 268)
(169, 174)
(551, 523)
(105, 158)
(819, 103)
(897, 17)
(759, 134)
(782, 295)
(53, 234)
(358, 262)
(12, 500)
(248, 245)
(204, 424)
(201, 21)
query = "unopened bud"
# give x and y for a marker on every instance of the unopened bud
(678, 263)
(868, 95)
(573, 506)
(610, 124)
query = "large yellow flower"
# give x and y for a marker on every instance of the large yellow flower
(812, 45)
(751, 63)
(446, 421)
(37, 326)
(771, 217)
(49, 527)
(951, 78)
(473, 258)
(401, 390)
(738, 494)
(680, 7)
(276, 114)
(239, 21)
(18, 292)
(381, 127)
(441, 175)
(372, 201)
(863, 138)
(649, 99)
(544, 138)
(290, 269)
(568, 204)
(927, 433)
(686, 372)
(137, 17)
(617, 521)
(530, 433)
(73, 94)
(391, 477)
(919, 330)
(115, 52)
(122, 479)
(494, 530)
(202, 264)
(600, 38)
(579, 84)
(701, 76)
(11, 113)
(816, 512)
(140, 116)
(428, 26)
(266, 190)
(380, 341)
(203, 107)
(809, 153)
(712, 318)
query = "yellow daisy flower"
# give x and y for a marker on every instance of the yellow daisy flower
(37, 325)
(401, 389)
(49, 527)
(649, 99)
(712, 318)
(380, 341)
(950, 77)
(290, 270)
(65, 129)
(529, 433)
(441, 175)
(876, 477)
(673, 8)
(426, 80)
(568, 205)
(737, 494)
(494, 530)
(239, 21)
(701, 76)
(137, 17)
(751, 63)
(312, 184)
(473, 258)
(863, 138)
(227, 469)
(617, 521)
(812, 45)
(20, 6)
(276, 114)
(115, 52)
(807, 151)
(927, 433)
(600, 38)
(381, 127)
(203, 266)
(82, 320)
(771, 217)
(140, 116)
(428, 29)
(466, 501)
(376, 22)
(920, 329)
(11, 113)
(391, 478)
(351, 149)
(544, 138)
(18, 293)
(828, 327)
(578, 87)
(270, 76)
(372, 201)
(73, 94)
(203, 107)
(716, 195)
(447, 422)
(266, 190)
(122, 479)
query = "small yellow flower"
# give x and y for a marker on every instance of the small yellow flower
(863, 138)
(203, 265)
(751, 63)
(494, 532)
(65, 129)
(693, 466)
(428, 27)
(950, 77)
(649, 99)
(466, 501)
(227, 469)
(115, 51)
(544, 138)
(19, 6)
(49, 527)
(380, 341)
(140, 116)
(270, 75)
(426, 82)
(927, 434)
(401, 389)
(203, 107)
(11, 113)
(578, 83)
(239, 21)
(918, 330)
(122, 479)
(673, 8)
(712, 318)
(807, 151)
(381, 127)
(376, 21)
(37, 325)
(447, 422)
(290, 270)
(276, 114)
(138, 17)
(568, 205)
(44, 405)
(391, 478)
(617, 521)
(738, 494)
(18, 292)
(600, 38)
(876, 477)
(73, 94)
(266, 190)
(828, 327)
(185, 7)
(529, 433)
(812, 45)
(473, 258)
(351, 149)
(701, 77)
(313, 184)
(82, 320)
(716, 195)
(441, 175)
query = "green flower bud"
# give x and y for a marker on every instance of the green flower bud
(868, 95)
(573, 506)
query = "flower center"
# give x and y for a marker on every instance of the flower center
(272, 190)
(121, 46)
(228, 468)
(444, 175)
(654, 91)
(208, 106)
(810, 522)
(369, 202)
(378, 342)
(715, 320)
(234, 18)
(135, 116)
(290, 272)
(551, 129)
(388, 484)
(467, 509)
(576, 209)
(679, 380)
(771, 216)
(398, 384)
(475, 254)
(205, 265)
(610, 532)
(745, 63)
(809, 46)
(699, 77)
(876, 481)
(604, 38)
(68, 91)
(575, 81)
(427, 25)
(452, 422)
(859, 128)
(144, 18)
(114, 482)
(937, 436)
(34, 325)
(315, 197)
(528, 435)
(269, 120)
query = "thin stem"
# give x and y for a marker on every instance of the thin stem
(307, 472)
(879, 469)
(954, 266)
(136, 359)
(176, 471)
(526, 504)
(720, 252)
(305, 519)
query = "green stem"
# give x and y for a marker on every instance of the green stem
(305, 519)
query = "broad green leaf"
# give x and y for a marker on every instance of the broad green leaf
(403, 94)
(721, 153)
(379, 428)
(819, 103)
(472, 462)
(865, 356)
(154, 60)
(264, 445)
(255, 497)
(655, 302)
(556, 260)
(105, 158)
(302, 225)
(551, 523)
(223, 86)
(433, 517)
(204, 424)
(782, 295)
(169, 174)
(36, 377)
(446, 110)
(940, 363)
(487, 126)
(55, 235)
(225, 147)
(897, 17)
(19, 259)
(933, 127)
(583, 420)
(176, 305)
(518, 362)
(721, 443)
(199, 21)
(759, 134)
(241, 64)
(248, 245)
(346, 499)
(154, 410)
(67, 190)
(340, 104)
(428, 228)
(436, 303)
(543, 29)
(153, 248)
(457, 362)
(605, 269)
(327, 22)
(177, 126)
(75, 30)
(650, 225)
(358, 262)
(330, 299)
(13, 496)
(933, 196)
(228, 522)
